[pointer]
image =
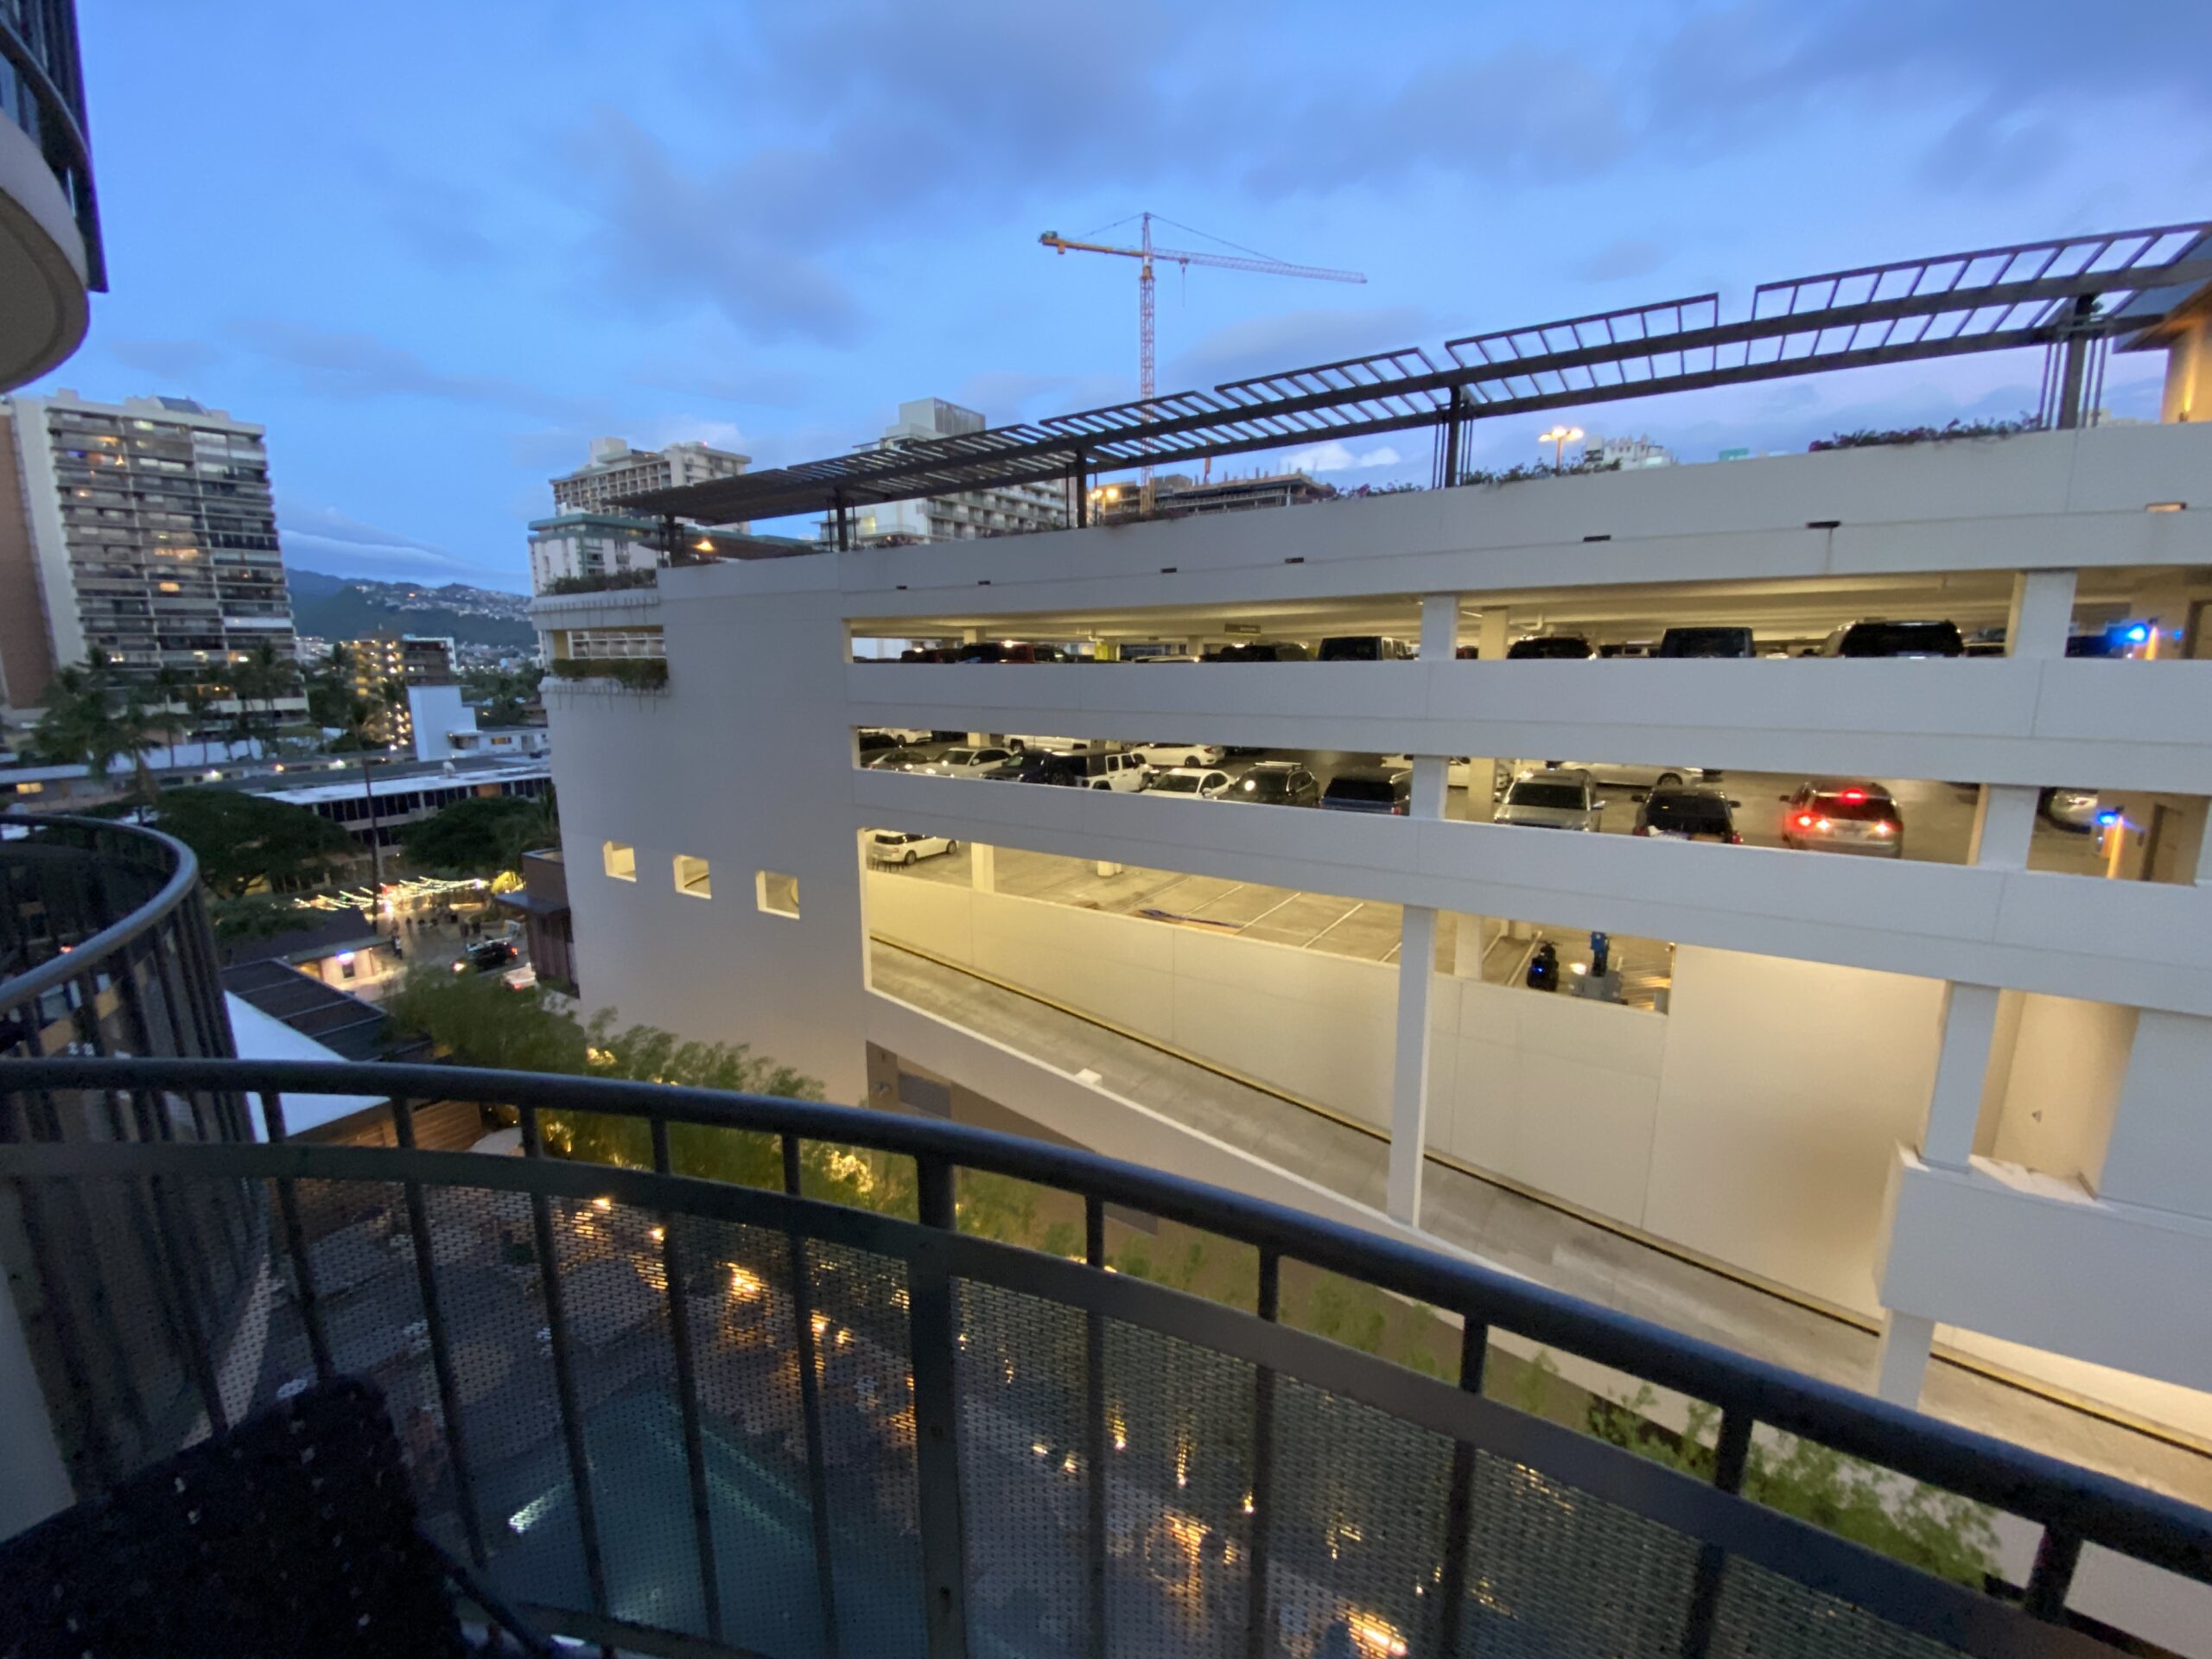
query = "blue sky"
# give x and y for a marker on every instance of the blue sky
(435, 248)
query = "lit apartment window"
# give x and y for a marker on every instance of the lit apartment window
(620, 859)
(778, 895)
(691, 876)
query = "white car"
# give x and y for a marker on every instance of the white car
(1626, 775)
(1456, 773)
(1552, 800)
(965, 763)
(901, 734)
(1166, 752)
(1207, 783)
(897, 847)
(1124, 772)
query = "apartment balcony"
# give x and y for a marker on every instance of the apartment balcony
(687, 1372)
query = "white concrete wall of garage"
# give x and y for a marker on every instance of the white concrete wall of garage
(2124, 942)
(2043, 500)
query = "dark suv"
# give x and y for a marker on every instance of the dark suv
(1879, 638)
(1706, 642)
(1276, 783)
(1569, 645)
(1009, 651)
(1368, 789)
(1687, 815)
(1260, 650)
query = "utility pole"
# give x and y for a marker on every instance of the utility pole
(376, 846)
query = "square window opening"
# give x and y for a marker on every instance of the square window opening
(692, 876)
(778, 895)
(620, 859)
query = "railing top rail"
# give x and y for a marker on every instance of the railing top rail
(2096, 1507)
(184, 877)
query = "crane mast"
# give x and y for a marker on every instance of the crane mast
(1146, 254)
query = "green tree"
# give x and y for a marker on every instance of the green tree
(503, 696)
(256, 916)
(245, 841)
(93, 718)
(479, 835)
(263, 675)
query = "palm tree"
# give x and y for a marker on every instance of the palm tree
(136, 729)
(77, 727)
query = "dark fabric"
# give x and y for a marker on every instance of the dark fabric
(293, 1534)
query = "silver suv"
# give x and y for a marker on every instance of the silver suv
(1551, 800)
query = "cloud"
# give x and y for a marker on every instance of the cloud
(172, 360)
(322, 539)
(1334, 457)
(353, 366)
(758, 385)
(1287, 339)
(1625, 256)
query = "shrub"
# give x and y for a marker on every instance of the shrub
(607, 581)
(637, 673)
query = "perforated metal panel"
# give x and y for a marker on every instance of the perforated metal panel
(1765, 1616)
(737, 1290)
(1177, 1531)
(864, 1361)
(1551, 1570)
(1025, 1469)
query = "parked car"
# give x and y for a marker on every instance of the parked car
(1260, 650)
(1551, 800)
(2071, 809)
(1564, 645)
(1706, 642)
(1091, 769)
(487, 956)
(1876, 638)
(1457, 770)
(1164, 656)
(899, 758)
(899, 847)
(1368, 789)
(965, 762)
(1366, 648)
(1009, 651)
(929, 654)
(871, 744)
(1207, 783)
(1275, 783)
(1634, 774)
(1687, 815)
(1166, 752)
(1838, 817)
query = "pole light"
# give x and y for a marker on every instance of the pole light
(1559, 437)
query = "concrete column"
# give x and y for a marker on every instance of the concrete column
(1491, 631)
(1901, 1363)
(1431, 773)
(2004, 818)
(2204, 858)
(982, 867)
(2157, 1154)
(1970, 1030)
(2041, 614)
(1470, 939)
(1440, 627)
(1409, 1065)
(2189, 373)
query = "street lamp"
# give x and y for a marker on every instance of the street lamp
(1559, 437)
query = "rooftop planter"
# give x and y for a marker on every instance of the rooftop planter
(632, 673)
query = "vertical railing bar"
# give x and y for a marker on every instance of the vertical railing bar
(933, 1322)
(809, 1402)
(295, 1244)
(426, 1275)
(564, 1379)
(195, 1354)
(1460, 1500)
(2058, 1555)
(687, 1392)
(1094, 1424)
(1731, 1456)
(1257, 1645)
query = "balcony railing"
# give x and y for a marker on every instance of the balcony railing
(686, 1415)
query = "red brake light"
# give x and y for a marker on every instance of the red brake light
(1854, 794)
(1804, 820)
(1643, 829)
(1735, 840)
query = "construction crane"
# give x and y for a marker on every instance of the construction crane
(1146, 253)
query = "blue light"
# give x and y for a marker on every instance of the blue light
(2107, 818)
(2138, 633)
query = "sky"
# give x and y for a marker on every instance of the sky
(437, 252)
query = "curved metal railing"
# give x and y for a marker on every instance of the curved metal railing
(105, 942)
(687, 1415)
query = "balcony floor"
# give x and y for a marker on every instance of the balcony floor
(1523, 1235)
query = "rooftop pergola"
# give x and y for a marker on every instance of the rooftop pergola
(2074, 297)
